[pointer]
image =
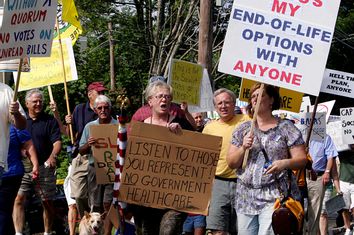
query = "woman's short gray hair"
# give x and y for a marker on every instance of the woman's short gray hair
(102, 99)
(224, 90)
(152, 87)
(34, 91)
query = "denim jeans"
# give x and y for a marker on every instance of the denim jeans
(260, 224)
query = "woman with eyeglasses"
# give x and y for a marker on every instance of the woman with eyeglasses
(150, 220)
(275, 146)
(159, 97)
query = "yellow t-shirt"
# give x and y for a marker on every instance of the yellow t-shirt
(224, 130)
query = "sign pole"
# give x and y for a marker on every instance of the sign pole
(311, 123)
(65, 86)
(259, 98)
(18, 79)
(50, 93)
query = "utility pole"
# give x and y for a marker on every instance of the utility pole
(111, 57)
(205, 35)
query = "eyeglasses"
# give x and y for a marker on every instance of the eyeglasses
(225, 103)
(103, 108)
(160, 96)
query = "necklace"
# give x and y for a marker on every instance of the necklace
(167, 122)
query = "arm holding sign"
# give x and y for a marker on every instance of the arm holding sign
(63, 128)
(17, 118)
(86, 148)
(235, 154)
(188, 115)
(86, 141)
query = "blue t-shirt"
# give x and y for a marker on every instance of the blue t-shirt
(14, 157)
(321, 151)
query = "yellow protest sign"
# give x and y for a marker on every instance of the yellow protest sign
(48, 70)
(70, 13)
(185, 79)
(165, 170)
(289, 100)
(68, 31)
(69, 25)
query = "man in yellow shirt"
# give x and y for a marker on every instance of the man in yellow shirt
(222, 216)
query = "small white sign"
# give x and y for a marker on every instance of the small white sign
(325, 107)
(306, 102)
(338, 83)
(206, 96)
(27, 29)
(334, 124)
(319, 125)
(347, 118)
(282, 43)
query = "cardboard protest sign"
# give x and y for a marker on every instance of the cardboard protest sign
(48, 70)
(185, 79)
(206, 96)
(338, 83)
(165, 170)
(319, 126)
(289, 100)
(105, 151)
(283, 43)
(347, 118)
(27, 29)
(334, 124)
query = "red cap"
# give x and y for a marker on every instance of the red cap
(97, 86)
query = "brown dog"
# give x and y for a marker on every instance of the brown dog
(91, 224)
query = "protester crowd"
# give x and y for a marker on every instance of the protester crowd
(255, 167)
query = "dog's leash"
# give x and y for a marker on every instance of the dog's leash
(42, 195)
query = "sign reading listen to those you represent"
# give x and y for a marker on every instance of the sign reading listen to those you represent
(167, 170)
(280, 42)
(27, 28)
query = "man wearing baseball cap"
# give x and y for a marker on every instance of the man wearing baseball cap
(83, 114)
(96, 86)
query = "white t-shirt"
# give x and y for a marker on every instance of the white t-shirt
(6, 96)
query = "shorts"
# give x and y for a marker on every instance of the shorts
(327, 196)
(44, 186)
(348, 194)
(67, 189)
(222, 214)
(103, 194)
(194, 221)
